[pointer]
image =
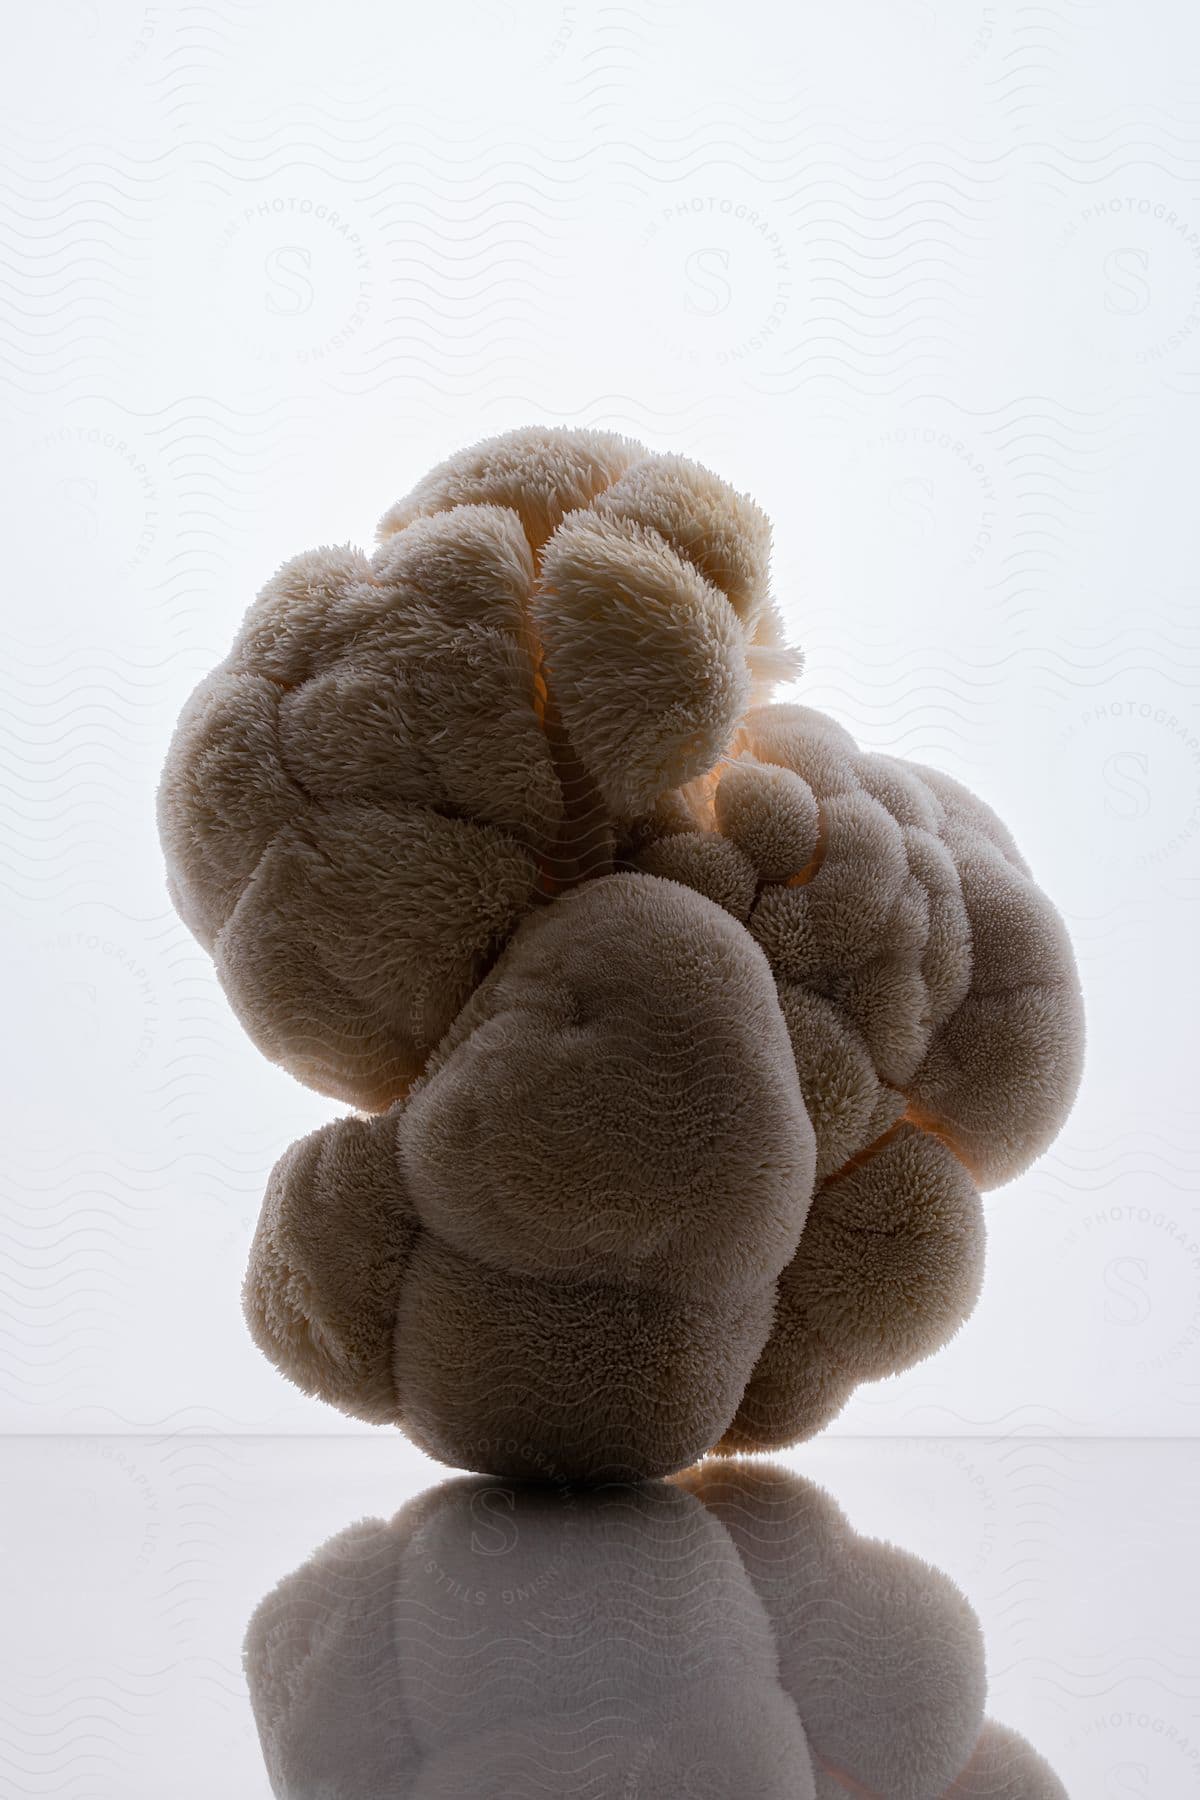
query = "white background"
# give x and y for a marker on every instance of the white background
(923, 278)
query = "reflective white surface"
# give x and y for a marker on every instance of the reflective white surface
(131, 1568)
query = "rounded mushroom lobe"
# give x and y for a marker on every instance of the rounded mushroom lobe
(612, 1159)
(404, 754)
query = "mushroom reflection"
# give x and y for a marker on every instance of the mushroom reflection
(724, 1634)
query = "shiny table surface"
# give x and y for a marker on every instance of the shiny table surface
(737, 1633)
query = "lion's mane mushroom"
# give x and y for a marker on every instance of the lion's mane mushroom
(687, 1031)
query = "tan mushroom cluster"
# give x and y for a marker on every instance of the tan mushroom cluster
(683, 1033)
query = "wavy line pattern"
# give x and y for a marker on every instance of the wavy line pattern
(922, 278)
